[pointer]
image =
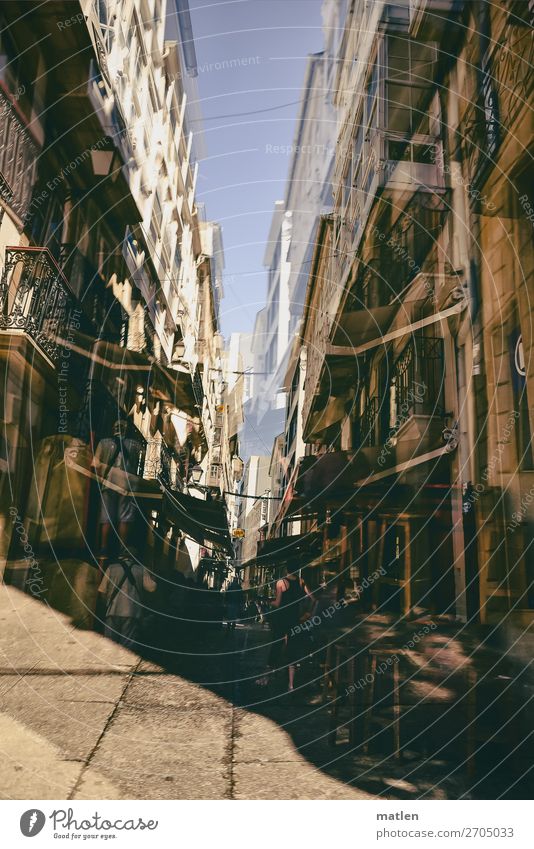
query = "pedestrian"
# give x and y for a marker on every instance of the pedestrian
(234, 603)
(285, 616)
(122, 589)
(116, 463)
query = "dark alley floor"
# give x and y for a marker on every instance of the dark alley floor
(84, 718)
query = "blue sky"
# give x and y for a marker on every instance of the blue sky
(251, 57)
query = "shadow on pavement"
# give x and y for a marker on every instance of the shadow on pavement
(458, 698)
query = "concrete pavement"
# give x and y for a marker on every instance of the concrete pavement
(83, 718)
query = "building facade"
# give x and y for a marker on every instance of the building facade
(110, 280)
(290, 242)
(417, 409)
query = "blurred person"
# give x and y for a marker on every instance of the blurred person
(116, 461)
(122, 590)
(285, 615)
(234, 603)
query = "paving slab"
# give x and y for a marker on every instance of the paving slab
(165, 753)
(294, 780)
(173, 691)
(67, 712)
(32, 766)
(198, 781)
(259, 739)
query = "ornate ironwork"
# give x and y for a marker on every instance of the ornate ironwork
(198, 389)
(149, 332)
(419, 378)
(35, 298)
(367, 424)
(18, 159)
(6, 192)
(159, 462)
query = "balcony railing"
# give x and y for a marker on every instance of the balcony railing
(18, 159)
(419, 379)
(149, 332)
(198, 389)
(88, 285)
(162, 463)
(6, 192)
(367, 424)
(35, 299)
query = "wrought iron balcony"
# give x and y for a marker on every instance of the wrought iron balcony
(419, 379)
(96, 300)
(36, 299)
(198, 389)
(6, 192)
(367, 425)
(159, 462)
(149, 331)
(18, 159)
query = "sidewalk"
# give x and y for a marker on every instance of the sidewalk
(83, 718)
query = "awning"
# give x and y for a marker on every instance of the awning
(360, 326)
(405, 329)
(357, 333)
(200, 520)
(120, 369)
(115, 364)
(319, 421)
(331, 475)
(297, 551)
(285, 547)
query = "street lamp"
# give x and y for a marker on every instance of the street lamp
(105, 160)
(178, 350)
(196, 473)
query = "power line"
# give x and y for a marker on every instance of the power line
(253, 111)
(255, 497)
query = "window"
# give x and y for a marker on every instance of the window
(358, 151)
(47, 223)
(347, 180)
(409, 69)
(371, 99)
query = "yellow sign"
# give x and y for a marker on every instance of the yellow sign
(238, 533)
